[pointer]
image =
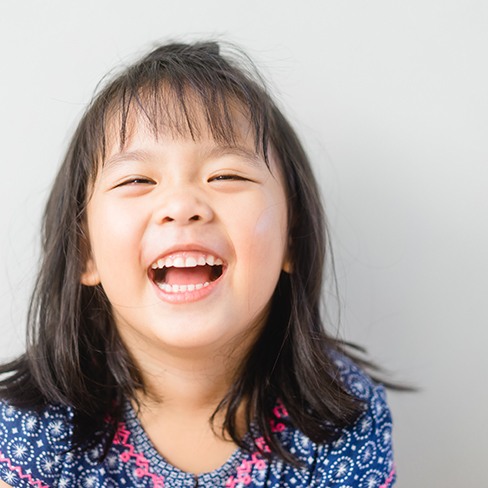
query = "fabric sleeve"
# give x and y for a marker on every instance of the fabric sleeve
(363, 455)
(33, 445)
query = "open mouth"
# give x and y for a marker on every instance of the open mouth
(187, 271)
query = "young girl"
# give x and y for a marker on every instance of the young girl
(175, 336)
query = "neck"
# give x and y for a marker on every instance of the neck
(182, 393)
(197, 383)
(185, 380)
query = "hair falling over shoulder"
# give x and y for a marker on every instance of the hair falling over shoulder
(74, 354)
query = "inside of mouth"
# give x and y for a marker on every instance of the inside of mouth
(187, 276)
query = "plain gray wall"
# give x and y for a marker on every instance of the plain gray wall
(391, 100)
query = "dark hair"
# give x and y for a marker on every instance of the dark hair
(74, 354)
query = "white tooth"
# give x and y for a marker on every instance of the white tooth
(182, 287)
(154, 266)
(201, 261)
(179, 262)
(198, 286)
(168, 262)
(190, 262)
(175, 288)
(218, 262)
(190, 287)
(165, 287)
(206, 283)
(161, 285)
(160, 263)
(210, 260)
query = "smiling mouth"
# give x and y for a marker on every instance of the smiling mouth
(186, 272)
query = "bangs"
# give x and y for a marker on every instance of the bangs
(196, 94)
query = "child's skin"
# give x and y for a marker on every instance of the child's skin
(172, 196)
(184, 199)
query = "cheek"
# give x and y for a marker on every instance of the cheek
(114, 234)
(112, 219)
(260, 248)
(269, 236)
(257, 226)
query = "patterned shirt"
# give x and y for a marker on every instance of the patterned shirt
(35, 451)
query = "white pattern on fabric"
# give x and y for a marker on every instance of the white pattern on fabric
(35, 450)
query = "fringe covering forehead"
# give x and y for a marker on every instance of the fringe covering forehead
(186, 92)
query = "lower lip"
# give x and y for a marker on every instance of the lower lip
(187, 296)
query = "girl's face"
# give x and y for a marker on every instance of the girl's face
(187, 239)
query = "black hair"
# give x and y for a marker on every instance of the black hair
(74, 354)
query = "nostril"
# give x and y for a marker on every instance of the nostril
(194, 218)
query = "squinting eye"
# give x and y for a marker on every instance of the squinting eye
(228, 177)
(136, 181)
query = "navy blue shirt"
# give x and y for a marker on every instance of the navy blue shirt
(35, 450)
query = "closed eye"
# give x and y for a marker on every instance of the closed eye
(228, 177)
(135, 181)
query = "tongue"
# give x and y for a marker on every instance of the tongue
(188, 276)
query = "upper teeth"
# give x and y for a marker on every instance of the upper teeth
(187, 262)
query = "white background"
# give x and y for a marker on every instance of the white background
(391, 99)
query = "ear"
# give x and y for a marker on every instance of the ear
(90, 276)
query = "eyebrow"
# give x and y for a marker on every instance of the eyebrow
(137, 155)
(222, 150)
(214, 152)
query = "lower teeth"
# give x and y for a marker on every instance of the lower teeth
(181, 288)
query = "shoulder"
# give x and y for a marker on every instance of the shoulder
(49, 427)
(362, 453)
(33, 443)
(354, 379)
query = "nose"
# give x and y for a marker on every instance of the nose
(184, 207)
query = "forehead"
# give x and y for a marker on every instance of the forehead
(161, 112)
(214, 130)
(140, 133)
(164, 113)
